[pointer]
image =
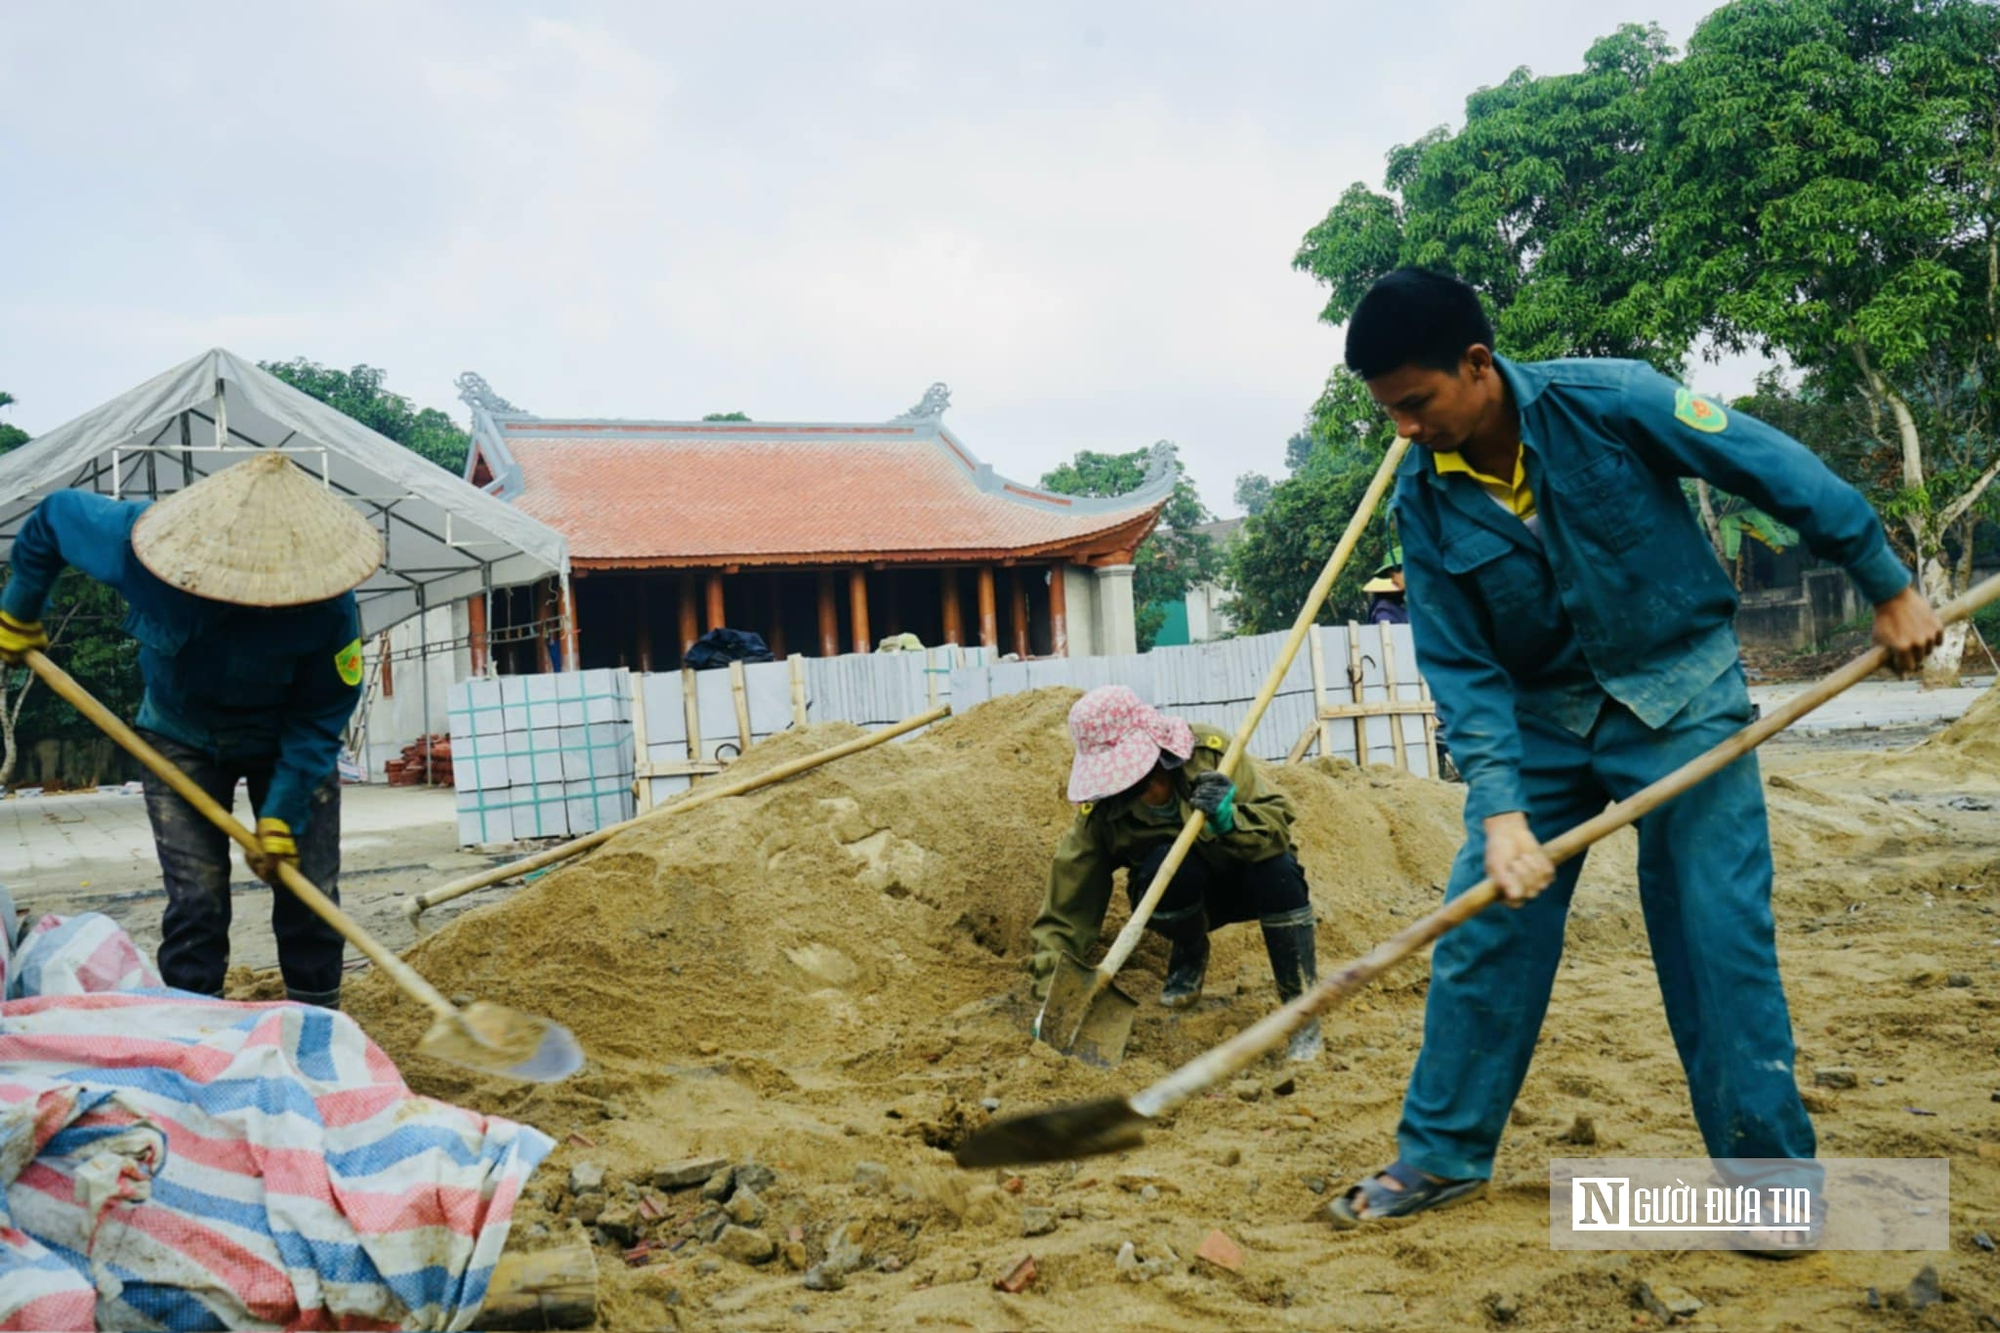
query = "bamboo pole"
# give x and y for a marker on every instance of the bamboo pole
(1323, 732)
(1389, 688)
(741, 695)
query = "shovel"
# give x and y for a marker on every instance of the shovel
(1086, 1014)
(1114, 1124)
(488, 1037)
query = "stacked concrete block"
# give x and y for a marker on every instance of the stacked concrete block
(545, 756)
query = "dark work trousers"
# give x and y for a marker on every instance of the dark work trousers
(1244, 891)
(195, 859)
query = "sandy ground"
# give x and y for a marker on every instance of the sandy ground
(825, 980)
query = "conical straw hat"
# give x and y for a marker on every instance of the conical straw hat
(259, 533)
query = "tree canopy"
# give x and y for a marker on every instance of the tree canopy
(10, 434)
(426, 432)
(1817, 179)
(1174, 557)
(1280, 552)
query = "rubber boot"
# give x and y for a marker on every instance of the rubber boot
(1188, 963)
(1288, 938)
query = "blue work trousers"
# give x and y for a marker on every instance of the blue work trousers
(1705, 890)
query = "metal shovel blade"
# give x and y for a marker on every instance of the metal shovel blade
(499, 1040)
(1082, 1129)
(1082, 1018)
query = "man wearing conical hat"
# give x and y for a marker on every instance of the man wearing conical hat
(1137, 776)
(239, 590)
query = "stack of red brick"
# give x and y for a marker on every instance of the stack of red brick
(408, 770)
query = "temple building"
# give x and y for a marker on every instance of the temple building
(823, 537)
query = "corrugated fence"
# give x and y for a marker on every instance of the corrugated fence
(547, 756)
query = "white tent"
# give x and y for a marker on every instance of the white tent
(443, 538)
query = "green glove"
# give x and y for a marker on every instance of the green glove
(1215, 796)
(17, 637)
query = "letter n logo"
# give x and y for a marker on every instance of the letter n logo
(1597, 1203)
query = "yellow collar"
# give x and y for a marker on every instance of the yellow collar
(1456, 462)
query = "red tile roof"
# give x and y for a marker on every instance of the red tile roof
(668, 494)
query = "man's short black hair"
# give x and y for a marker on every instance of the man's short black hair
(1413, 317)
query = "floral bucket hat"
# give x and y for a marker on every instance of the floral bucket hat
(1119, 737)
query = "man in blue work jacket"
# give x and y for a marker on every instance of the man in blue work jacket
(1576, 629)
(239, 590)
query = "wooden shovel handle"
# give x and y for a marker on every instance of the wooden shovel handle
(1364, 513)
(1247, 1046)
(168, 772)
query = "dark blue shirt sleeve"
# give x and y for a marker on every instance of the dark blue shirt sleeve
(90, 532)
(1770, 469)
(1475, 696)
(309, 738)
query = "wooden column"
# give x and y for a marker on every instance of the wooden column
(1058, 610)
(475, 632)
(572, 641)
(857, 609)
(642, 638)
(776, 641)
(545, 602)
(954, 623)
(989, 616)
(1017, 610)
(690, 613)
(716, 619)
(829, 617)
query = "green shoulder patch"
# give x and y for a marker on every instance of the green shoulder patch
(348, 663)
(1699, 413)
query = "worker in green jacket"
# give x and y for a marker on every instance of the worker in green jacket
(1136, 778)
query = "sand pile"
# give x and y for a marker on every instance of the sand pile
(875, 896)
(1965, 754)
(823, 985)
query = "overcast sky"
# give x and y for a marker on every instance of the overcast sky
(1082, 218)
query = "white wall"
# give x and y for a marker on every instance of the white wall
(1207, 620)
(397, 720)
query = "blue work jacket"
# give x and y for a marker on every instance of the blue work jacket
(1615, 592)
(259, 684)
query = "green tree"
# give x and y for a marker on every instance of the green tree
(1173, 557)
(1831, 191)
(10, 434)
(426, 432)
(1297, 450)
(1816, 178)
(1279, 554)
(726, 416)
(85, 639)
(1253, 492)
(1541, 201)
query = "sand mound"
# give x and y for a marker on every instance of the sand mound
(1966, 753)
(875, 896)
(826, 978)
(1976, 735)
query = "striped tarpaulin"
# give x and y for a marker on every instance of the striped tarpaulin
(176, 1162)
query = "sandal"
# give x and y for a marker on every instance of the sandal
(1798, 1248)
(1419, 1194)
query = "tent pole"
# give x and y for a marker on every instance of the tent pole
(424, 673)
